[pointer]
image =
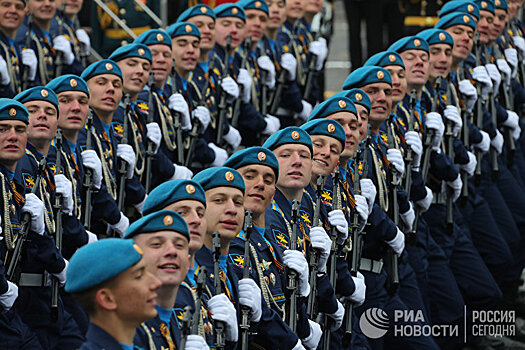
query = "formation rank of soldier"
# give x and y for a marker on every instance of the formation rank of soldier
(185, 194)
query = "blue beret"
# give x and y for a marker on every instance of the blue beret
(131, 50)
(230, 10)
(409, 43)
(196, 10)
(162, 220)
(183, 28)
(456, 18)
(485, 5)
(326, 127)
(367, 75)
(357, 96)
(254, 5)
(219, 177)
(331, 106)
(68, 82)
(501, 5)
(253, 155)
(385, 58)
(173, 191)
(291, 134)
(436, 36)
(38, 93)
(11, 109)
(153, 37)
(100, 261)
(101, 67)
(460, 6)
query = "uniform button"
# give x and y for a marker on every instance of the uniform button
(124, 21)
(122, 11)
(123, 42)
(259, 245)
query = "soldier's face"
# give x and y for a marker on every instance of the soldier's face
(224, 212)
(260, 187)
(162, 62)
(514, 7)
(229, 25)
(500, 20)
(362, 124)
(326, 154)
(294, 9)
(416, 67)
(42, 9)
(13, 141)
(72, 7)
(295, 166)
(381, 99)
(399, 83)
(206, 26)
(277, 14)
(135, 72)
(256, 22)
(349, 123)
(440, 60)
(43, 122)
(463, 41)
(105, 92)
(74, 108)
(166, 255)
(193, 213)
(484, 28)
(186, 52)
(12, 14)
(314, 6)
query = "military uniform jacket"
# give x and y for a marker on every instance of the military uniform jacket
(63, 25)
(155, 334)
(97, 338)
(11, 54)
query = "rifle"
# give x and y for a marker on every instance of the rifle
(245, 310)
(201, 284)
(150, 148)
(492, 105)
(220, 327)
(521, 67)
(58, 228)
(223, 108)
(264, 93)
(123, 167)
(25, 74)
(88, 177)
(13, 270)
(393, 276)
(449, 142)
(410, 156)
(185, 326)
(292, 276)
(312, 73)
(59, 60)
(314, 253)
(479, 113)
(465, 139)
(83, 55)
(237, 107)
(177, 124)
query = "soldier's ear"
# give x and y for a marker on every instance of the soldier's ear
(105, 299)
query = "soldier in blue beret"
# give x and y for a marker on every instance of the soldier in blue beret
(486, 17)
(461, 26)
(107, 276)
(468, 6)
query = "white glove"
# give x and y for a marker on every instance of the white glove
(424, 204)
(337, 316)
(519, 42)
(273, 124)
(471, 165)
(505, 70)
(338, 219)
(484, 144)
(451, 113)
(181, 173)
(266, 64)
(203, 115)
(305, 112)
(497, 142)
(312, 341)
(61, 276)
(361, 205)
(516, 133)
(414, 141)
(29, 60)
(231, 88)
(5, 79)
(398, 243)
(177, 103)
(250, 295)
(91, 160)
(495, 76)
(91, 237)
(394, 156)
(8, 298)
(154, 135)
(480, 74)
(245, 80)
(512, 58)
(196, 342)
(434, 121)
(65, 188)
(369, 191)
(289, 65)
(233, 137)
(408, 218)
(83, 37)
(60, 43)
(121, 226)
(296, 261)
(469, 92)
(223, 310)
(513, 121)
(358, 296)
(320, 50)
(36, 208)
(127, 154)
(140, 205)
(456, 186)
(220, 155)
(298, 346)
(321, 241)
